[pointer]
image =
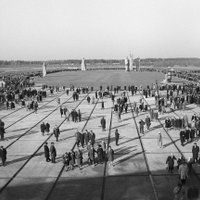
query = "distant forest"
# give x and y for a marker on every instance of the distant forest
(157, 62)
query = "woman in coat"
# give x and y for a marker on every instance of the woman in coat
(183, 172)
(110, 155)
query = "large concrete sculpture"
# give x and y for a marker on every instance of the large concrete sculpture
(137, 64)
(83, 65)
(131, 62)
(127, 68)
(44, 71)
(168, 76)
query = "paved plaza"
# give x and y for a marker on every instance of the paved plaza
(139, 169)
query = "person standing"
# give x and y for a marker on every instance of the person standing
(160, 140)
(47, 128)
(183, 172)
(35, 105)
(102, 105)
(79, 157)
(46, 152)
(148, 122)
(56, 132)
(79, 115)
(2, 129)
(170, 163)
(195, 152)
(103, 124)
(53, 153)
(91, 155)
(61, 111)
(3, 155)
(65, 111)
(116, 137)
(92, 137)
(110, 155)
(42, 128)
(100, 154)
(141, 123)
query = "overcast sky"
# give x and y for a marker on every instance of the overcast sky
(72, 29)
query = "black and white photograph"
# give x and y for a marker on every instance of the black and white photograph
(99, 100)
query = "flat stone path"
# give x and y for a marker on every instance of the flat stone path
(139, 170)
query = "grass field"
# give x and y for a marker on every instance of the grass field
(104, 78)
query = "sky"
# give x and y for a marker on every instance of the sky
(98, 29)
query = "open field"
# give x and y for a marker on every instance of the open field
(104, 78)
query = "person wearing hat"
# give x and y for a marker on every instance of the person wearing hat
(195, 152)
(53, 153)
(46, 152)
(3, 154)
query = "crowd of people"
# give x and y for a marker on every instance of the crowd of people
(176, 98)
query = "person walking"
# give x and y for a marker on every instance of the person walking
(117, 137)
(103, 123)
(110, 155)
(160, 140)
(195, 152)
(53, 153)
(3, 155)
(46, 152)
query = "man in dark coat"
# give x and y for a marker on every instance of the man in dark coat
(42, 128)
(100, 154)
(148, 122)
(92, 137)
(46, 152)
(53, 153)
(47, 127)
(3, 154)
(182, 136)
(170, 162)
(141, 125)
(61, 111)
(2, 129)
(103, 124)
(116, 137)
(91, 155)
(56, 132)
(79, 115)
(195, 152)
(86, 137)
